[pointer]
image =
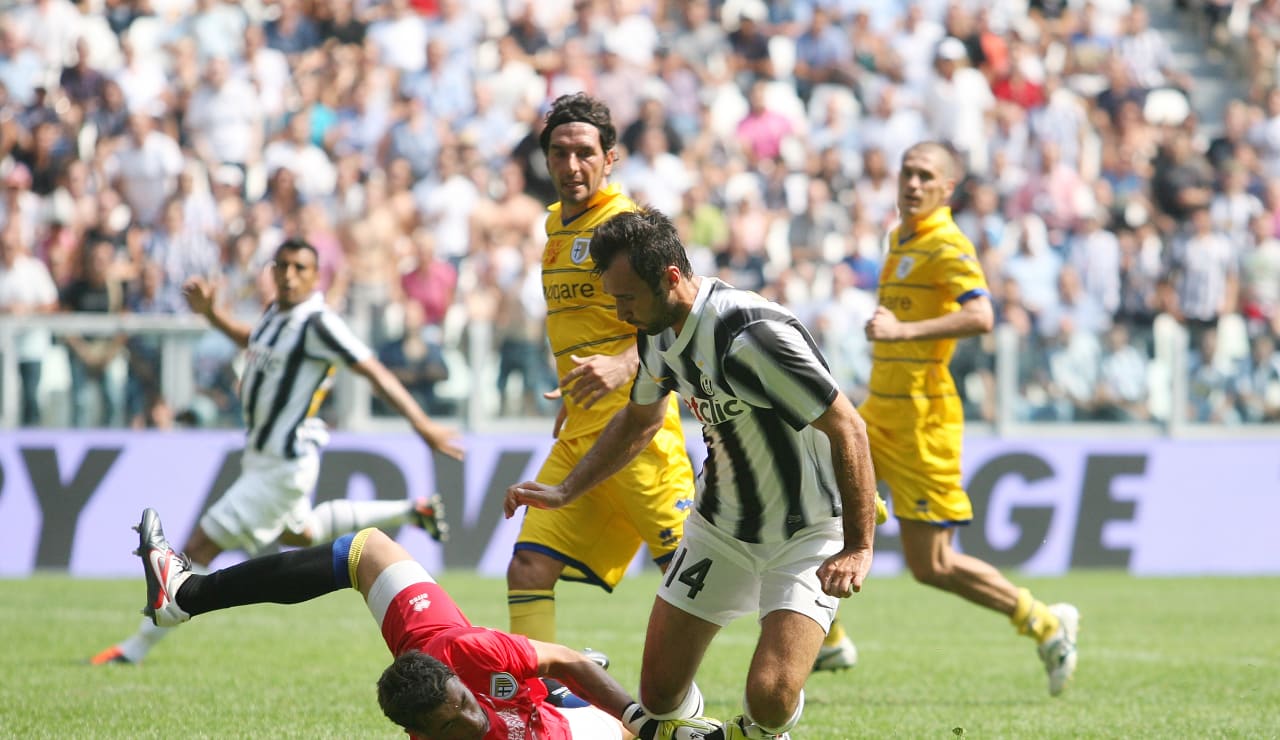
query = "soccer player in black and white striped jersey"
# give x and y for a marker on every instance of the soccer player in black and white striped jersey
(783, 523)
(292, 354)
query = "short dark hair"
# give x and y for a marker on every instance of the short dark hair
(295, 245)
(412, 686)
(580, 108)
(650, 240)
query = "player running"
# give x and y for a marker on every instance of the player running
(932, 291)
(292, 353)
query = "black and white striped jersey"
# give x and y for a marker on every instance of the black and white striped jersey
(751, 373)
(289, 365)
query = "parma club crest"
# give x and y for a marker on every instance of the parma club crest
(581, 250)
(904, 267)
(503, 686)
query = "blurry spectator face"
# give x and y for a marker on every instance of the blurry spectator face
(139, 126)
(98, 263)
(295, 274)
(925, 182)
(874, 164)
(1200, 221)
(217, 72)
(578, 165)
(10, 246)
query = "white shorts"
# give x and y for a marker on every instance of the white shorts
(719, 578)
(591, 723)
(271, 495)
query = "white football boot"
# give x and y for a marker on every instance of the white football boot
(1059, 651)
(838, 657)
(165, 570)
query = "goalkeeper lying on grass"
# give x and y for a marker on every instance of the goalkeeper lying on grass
(449, 679)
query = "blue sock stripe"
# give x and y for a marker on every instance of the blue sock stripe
(341, 553)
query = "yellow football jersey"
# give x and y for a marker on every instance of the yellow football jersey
(926, 274)
(581, 318)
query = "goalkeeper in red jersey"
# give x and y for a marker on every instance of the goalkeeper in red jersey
(449, 680)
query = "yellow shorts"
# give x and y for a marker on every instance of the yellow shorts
(598, 535)
(922, 469)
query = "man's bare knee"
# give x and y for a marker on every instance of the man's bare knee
(659, 695)
(771, 704)
(530, 570)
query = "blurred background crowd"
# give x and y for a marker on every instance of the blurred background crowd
(1123, 175)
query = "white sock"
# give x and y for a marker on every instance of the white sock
(137, 645)
(758, 730)
(332, 519)
(691, 706)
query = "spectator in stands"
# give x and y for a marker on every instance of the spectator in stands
(823, 56)
(81, 82)
(417, 361)
(1205, 275)
(1235, 131)
(223, 121)
(821, 220)
(520, 328)
(1147, 54)
(91, 356)
(26, 288)
(314, 173)
(1233, 208)
(1258, 382)
(761, 132)
(652, 170)
(1120, 393)
(1073, 359)
(1140, 280)
(146, 168)
(432, 281)
(292, 32)
(749, 59)
(1034, 266)
(1260, 277)
(1094, 251)
(1212, 388)
(80, 171)
(877, 189)
(957, 101)
(1182, 180)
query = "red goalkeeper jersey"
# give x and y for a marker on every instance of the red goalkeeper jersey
(501, 669)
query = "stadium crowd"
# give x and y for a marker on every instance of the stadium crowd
(146, 141)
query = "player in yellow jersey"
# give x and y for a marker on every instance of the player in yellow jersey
(595, 539)
(932, 291)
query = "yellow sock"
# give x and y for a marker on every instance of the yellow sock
(533, 613)
(834, 635)
(1032, 617)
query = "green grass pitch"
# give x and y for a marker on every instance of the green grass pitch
(1184, 657)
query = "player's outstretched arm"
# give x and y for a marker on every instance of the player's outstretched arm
(437, 436)
(589, 681)
(626, 434)
(202, 297)
(842, 574)
(582, 675)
